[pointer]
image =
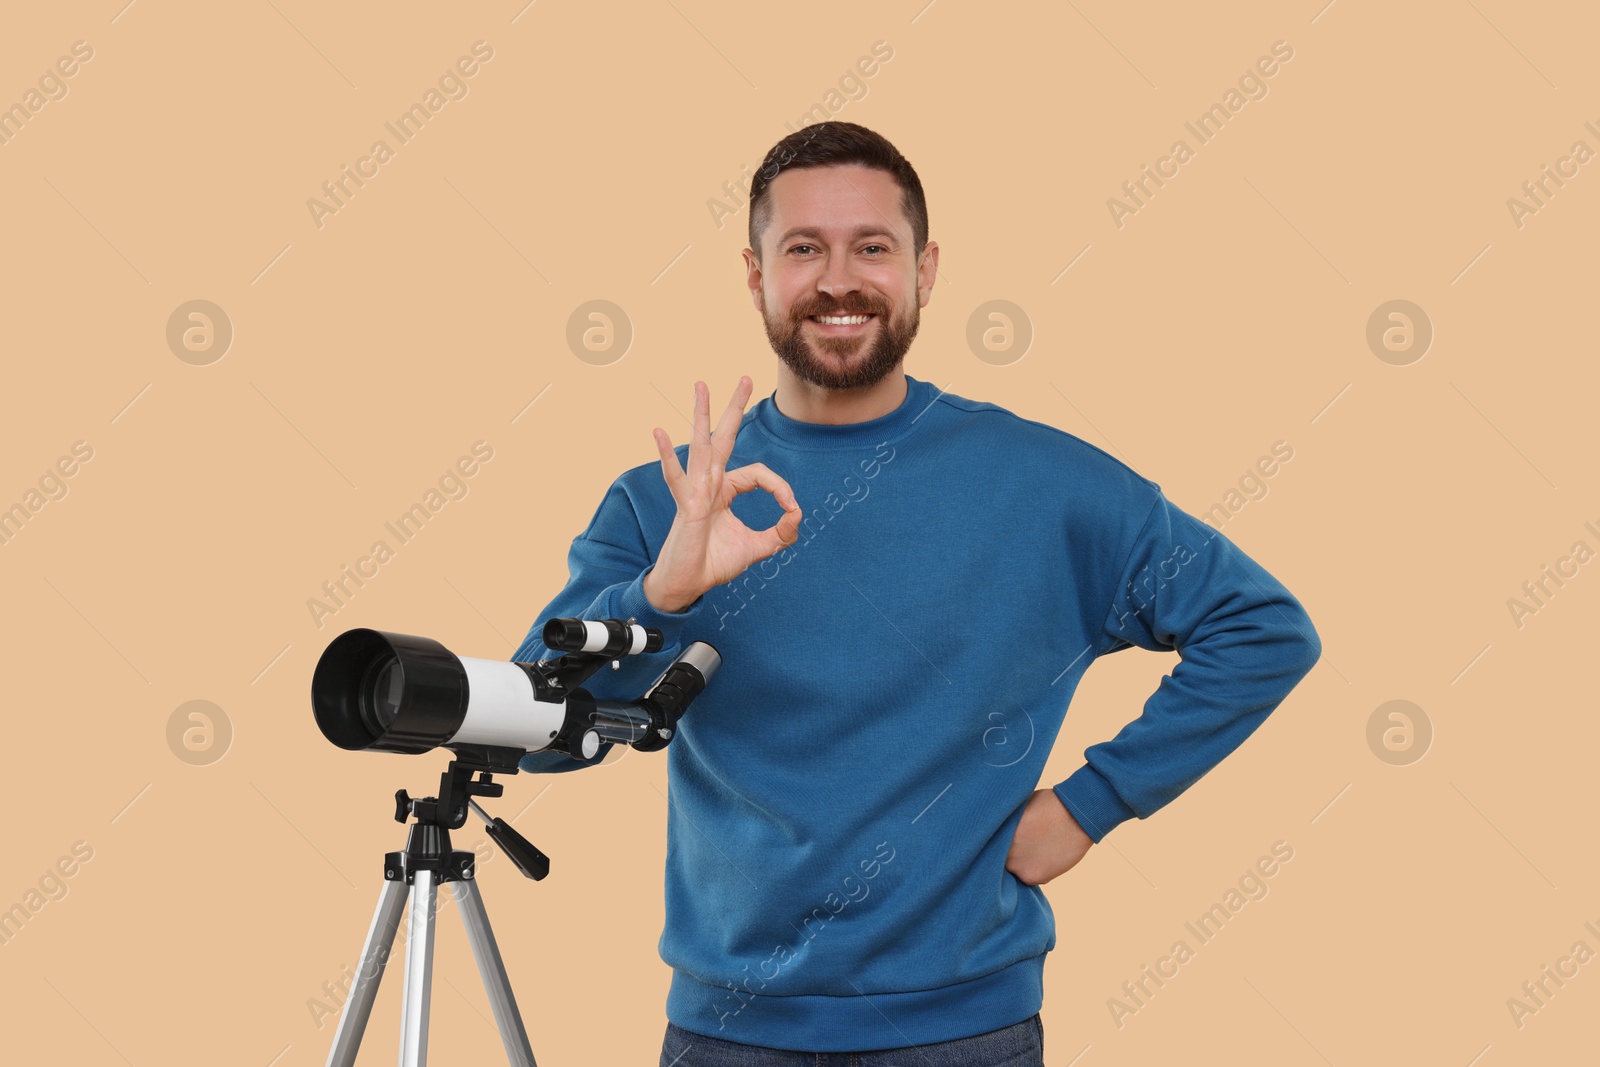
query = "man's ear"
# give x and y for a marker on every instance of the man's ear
(927, 272)
(752, 267)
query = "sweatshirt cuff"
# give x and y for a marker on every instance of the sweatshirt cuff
(632, 602)
(1091, 800)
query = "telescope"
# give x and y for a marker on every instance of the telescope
(377, 691)
(388, 692)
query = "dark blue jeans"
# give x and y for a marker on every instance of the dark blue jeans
(1019, 1045)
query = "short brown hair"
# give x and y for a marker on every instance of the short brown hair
(826, 144)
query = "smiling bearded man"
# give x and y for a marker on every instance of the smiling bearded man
(859, 815)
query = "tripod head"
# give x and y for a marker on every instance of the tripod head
(435, 816)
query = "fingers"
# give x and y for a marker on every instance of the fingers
(700, 443)
(787, 529)
(728, 428)
(752, 475)
(784, 532)
(671, 469)
(707, 454)
(781, 534)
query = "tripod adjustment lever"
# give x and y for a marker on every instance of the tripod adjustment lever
(529, 860)
(402, 806)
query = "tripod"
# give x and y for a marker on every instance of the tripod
(427, 861)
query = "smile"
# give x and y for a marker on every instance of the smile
(841, 323)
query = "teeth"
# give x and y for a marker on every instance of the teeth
(842, 320)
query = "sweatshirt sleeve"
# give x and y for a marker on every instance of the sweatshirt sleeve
(606, 566)
(1243, 640)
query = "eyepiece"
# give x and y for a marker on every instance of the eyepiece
(610, 636)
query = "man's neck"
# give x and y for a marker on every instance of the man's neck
(803, 402)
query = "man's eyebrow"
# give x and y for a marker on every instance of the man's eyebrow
(864, 230)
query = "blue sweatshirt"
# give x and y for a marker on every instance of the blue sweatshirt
(843, 795)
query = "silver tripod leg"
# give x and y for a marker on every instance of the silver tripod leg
(374, 955)
(493, 971)
(419, 971)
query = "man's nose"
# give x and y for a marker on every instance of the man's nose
(839, 278)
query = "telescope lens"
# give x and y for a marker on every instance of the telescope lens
(380, 699)
(391, 692)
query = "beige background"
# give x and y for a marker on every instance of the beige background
(1229, 313)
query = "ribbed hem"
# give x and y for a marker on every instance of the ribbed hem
(823, 1023)
(1092, 801)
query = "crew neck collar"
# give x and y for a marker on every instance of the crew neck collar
(816, 436)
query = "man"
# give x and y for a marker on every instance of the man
(855, 837)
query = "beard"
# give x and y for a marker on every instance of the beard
(857, 362)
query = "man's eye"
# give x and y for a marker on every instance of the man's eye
(879, 247)
(798, 247)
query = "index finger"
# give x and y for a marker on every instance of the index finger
(700, 441)
(671, 469)
(728, 426)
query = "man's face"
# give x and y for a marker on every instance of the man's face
(838, 245)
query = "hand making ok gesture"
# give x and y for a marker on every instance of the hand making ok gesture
(708, 545)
